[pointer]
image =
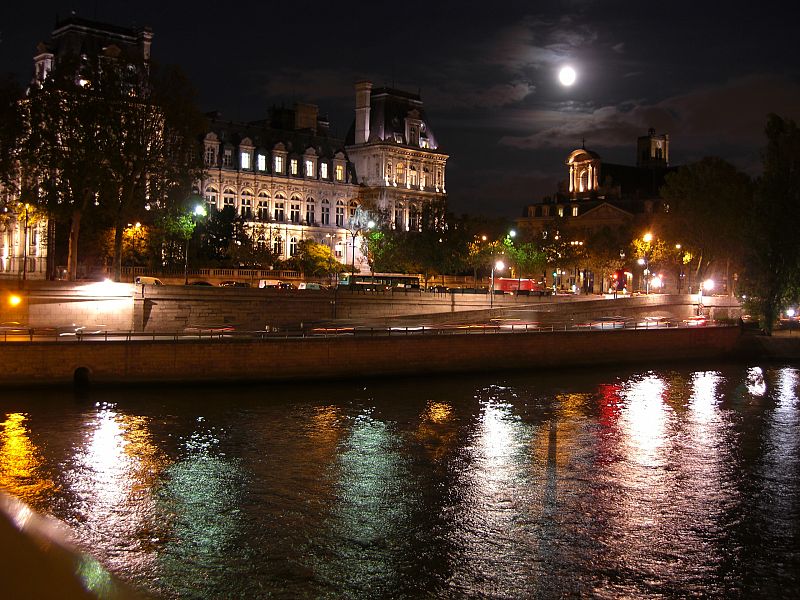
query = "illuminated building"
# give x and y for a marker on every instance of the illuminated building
(289, 179)
(596, 195)
(83, 42)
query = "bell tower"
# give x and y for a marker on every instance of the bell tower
(652, 150)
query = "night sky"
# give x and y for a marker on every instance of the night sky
(707, 73)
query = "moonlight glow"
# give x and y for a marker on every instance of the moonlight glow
(567, 76)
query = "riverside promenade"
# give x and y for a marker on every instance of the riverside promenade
(142, 334)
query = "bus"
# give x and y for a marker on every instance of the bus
(521, 287)
(381, 281)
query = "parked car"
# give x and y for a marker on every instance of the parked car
(231, 283)
(204, 283)
(309, 285)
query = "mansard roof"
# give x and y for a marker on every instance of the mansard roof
(638, 182)
(389, 109)
(264, 136)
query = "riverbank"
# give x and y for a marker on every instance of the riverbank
(348, 357)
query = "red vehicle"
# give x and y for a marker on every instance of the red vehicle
(521, 287)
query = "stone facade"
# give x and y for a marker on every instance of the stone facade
(291, 180)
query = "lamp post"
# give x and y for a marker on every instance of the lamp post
(357, 230)
(499, 266)
(707, 285)
(25, 246)
(646, 238)
(199, 211)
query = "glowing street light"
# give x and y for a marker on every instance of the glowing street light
(706, 286)
(645, 260)
(199, 211)
(497, 266)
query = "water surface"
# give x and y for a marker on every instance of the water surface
(660, 483)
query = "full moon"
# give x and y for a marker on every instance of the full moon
(567, 76)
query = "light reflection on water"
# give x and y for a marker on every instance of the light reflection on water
(663, 483)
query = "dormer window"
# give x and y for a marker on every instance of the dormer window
(245, 160)
(279, 165)
(413, 135)
(293, 166)
(574, 211)
(323, 170)
(211, 155)
(309, 164)
(339, 173)
(262, 162)
(227, 158)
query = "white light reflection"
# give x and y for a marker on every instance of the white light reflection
(703, 402)
(373, 504)
(111, 476)
(502, 500)
(644, 418)
(756, 386)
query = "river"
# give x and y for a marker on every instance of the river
(672, 482)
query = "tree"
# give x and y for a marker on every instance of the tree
(150, 142)
(606, 249)
(705, 205)
(771, 232)
(117, 140)
(11, 132)
(62, 149)
(315, 259)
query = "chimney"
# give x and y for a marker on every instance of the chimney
(305, 116)
(363, 90)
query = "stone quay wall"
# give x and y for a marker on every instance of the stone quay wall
(125, 307)
(236, 359)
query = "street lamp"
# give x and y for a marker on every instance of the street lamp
(199, 211)
(646, 238)
(25, 246)
(706, 286)
(499, 266)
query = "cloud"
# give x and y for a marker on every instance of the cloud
(733, 113)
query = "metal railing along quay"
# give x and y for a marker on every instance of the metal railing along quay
(21, 335)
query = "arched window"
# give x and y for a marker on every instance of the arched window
(293, 246)
(277, 245)
(400, 217)
(246, 204)
(228, 197)
(294, 209)
(414, 218)
(263, 205)
(584, 180)
(353, 209)
(212, 197)
(400, 179)
(412, 176)
(311, 218)
(326, 212)
(339, 213)
(280, 207)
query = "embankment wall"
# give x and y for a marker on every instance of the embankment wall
(319, 358)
